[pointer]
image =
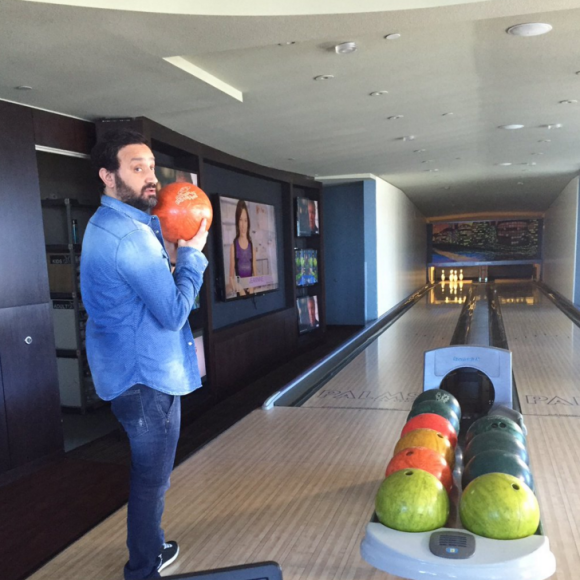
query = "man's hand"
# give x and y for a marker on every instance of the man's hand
(198, 241)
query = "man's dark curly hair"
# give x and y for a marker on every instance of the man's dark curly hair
(105, 152)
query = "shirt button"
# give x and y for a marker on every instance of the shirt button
(190, 343)
(156, 231)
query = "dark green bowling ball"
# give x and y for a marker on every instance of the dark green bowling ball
(441, 396)
(495, 423)
(495, 440)
(438, 408)
(497, 461)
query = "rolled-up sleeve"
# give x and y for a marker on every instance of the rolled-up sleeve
(141, 262)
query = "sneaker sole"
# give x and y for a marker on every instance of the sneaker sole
(169, 562)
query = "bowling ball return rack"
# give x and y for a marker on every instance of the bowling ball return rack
(452, 552)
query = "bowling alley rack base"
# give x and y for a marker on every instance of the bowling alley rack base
(450, 553)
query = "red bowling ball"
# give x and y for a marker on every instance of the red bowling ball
(432, 421)
(422, 458)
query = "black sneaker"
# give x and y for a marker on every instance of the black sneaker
(168, 555)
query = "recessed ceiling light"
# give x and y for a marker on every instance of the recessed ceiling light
(393, 36)
(394, 117)
(520, 182)
(568, 101)
(511, 127)
(529, 163)
(378, 93)
(407, 138)
(419, 150)
(431, 170)
(23, 88)
(538, 153)
(447, 114)
(428, 161)
(290, 42)
(323, 77)
(545, 141)
(529, 29)
(504, 164)
(553, 126)
(345, 48)
(291, 159)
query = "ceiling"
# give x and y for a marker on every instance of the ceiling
(454, 58)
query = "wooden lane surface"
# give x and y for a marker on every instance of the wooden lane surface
(555, 463)
(292, 485)
(546, 352)
(388, 374)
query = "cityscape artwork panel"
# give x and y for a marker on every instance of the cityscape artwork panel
(486, 241)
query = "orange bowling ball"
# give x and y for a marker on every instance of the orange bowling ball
(432, 421)
(430, 439)
(422, 458)
(180, 208)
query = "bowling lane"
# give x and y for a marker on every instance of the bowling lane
(546, 351)
(292, 485)
(388, 374)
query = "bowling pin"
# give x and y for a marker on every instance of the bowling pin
(461, 275)
(442, 275)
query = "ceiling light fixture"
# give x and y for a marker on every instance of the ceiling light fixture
(394, 117)
(289, 43)
(529, 29)
(393, 36)
(568, 101)
(520, 182)
(407, 138)
(428, 161)
(511, 127)
(431, 170)
(545, 141)
(447, 114)
(419, 150)
(345, 48)
(23, 88)
(554, 126)
(504, 164)
(378, 93)
(323, 77)
(538, 153)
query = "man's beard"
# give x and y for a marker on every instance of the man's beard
(129, 196)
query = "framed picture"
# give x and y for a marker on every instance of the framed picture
(307, 222)
(308, 319)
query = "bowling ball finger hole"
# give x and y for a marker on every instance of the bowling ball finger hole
(439, 435)
(408, 473)
(516, 486)
(409, 453)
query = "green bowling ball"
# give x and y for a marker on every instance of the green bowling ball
(495, 440)
(437, 407)
(495, 423)
(441, 396)
(497, 461)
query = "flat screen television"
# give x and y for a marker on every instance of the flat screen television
(306, 267)
(308, 319)
(307, 223)
(249, 247)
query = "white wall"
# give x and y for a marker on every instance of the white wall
(560, 235)
(401, 246)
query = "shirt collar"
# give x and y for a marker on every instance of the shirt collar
(126, 209)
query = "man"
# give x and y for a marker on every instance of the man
(139, 344)
(312, 211)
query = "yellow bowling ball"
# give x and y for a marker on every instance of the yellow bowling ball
(430, 439)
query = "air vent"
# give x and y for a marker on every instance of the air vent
(452, 545)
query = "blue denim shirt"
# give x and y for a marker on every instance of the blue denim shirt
(138, 329)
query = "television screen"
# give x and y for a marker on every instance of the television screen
(167, 175)
(308, 319)
(250, 262)
(306, 217)
(200, 352)
(306, 267)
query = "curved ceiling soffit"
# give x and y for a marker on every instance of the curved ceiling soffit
(258, 7)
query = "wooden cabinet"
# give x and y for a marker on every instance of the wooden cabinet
(23, 261)
(29, 380)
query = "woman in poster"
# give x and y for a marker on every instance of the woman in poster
(242, 252)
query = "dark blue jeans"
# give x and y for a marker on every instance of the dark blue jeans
(151, 420)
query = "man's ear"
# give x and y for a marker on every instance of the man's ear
(107, 177)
